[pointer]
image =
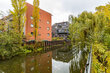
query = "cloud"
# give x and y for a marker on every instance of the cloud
(77, 6)
(5, 5)
(61, 9)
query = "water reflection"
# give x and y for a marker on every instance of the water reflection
(40, 63)
(63, 60)
(69, 60)
(12, 66)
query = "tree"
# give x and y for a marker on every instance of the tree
(81, 27)
(8, 43)
(93, 28)
(72, 28)
(18, 17)
(36, 17)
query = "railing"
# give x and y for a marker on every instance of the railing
(89, 61)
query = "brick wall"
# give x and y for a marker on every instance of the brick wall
(44, 25)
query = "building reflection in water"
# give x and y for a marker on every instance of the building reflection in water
(41, 63)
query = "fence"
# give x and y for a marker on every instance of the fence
(89, 61)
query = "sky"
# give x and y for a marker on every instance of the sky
(60, 9)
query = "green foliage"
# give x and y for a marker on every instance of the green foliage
(1, 25)
(29, 47)
(8, 44)
(39, 49)
(107, 40)
(36, 17)
(93, 29)
(100, 58)
(12, 33)
(18, 17)
(81, 27)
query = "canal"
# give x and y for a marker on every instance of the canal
(60, 60)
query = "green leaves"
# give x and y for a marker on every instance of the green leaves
(36, 17)
(81, 27)
(19, 10)
(89, 28)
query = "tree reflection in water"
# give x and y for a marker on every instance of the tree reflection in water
(76, 58)
(40, 63)
(69, 60)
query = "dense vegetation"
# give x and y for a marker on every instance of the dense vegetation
(93, 29)
(11, 31)
(36, 17)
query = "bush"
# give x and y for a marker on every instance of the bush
(9, 45)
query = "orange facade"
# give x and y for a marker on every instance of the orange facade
(45, 29)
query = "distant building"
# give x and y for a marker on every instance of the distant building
(60, 30)
(45, 28)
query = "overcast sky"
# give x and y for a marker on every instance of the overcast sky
(61, 9)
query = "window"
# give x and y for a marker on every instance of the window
(47, 22)
(32, 25)
(48, 28)
(48, 34)
(31, 17)
(32, 33)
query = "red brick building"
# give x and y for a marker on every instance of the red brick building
(45, 29)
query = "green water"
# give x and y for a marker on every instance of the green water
(59, 60)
